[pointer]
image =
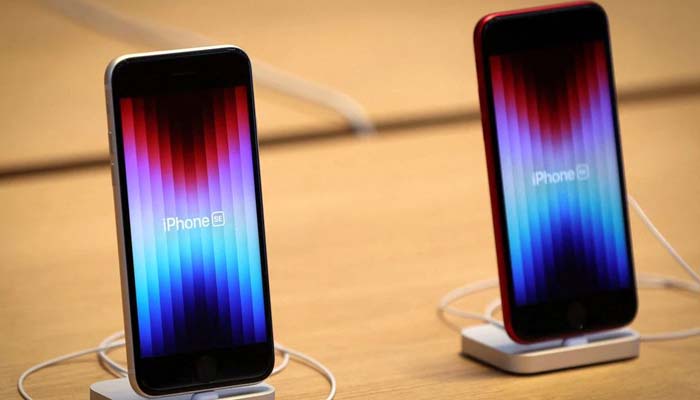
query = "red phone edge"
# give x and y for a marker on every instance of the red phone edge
(490, 162)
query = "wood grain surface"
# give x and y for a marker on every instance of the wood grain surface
(364, 236)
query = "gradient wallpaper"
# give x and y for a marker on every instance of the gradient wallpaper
(561, 184)
(194, 228)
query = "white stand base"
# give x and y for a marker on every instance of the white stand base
(491, 345)
(120, 389)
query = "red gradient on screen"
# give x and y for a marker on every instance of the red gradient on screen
(554, 112)
(190, 155)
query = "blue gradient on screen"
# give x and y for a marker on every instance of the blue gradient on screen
(188, 156)
(559, 170)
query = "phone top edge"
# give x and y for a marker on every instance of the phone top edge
(112, 65)
(483, 22)
(536, 9)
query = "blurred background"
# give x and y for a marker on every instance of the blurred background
(404, 61)
(396, 216)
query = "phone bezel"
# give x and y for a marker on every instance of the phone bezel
(151, 73)
(537, 28)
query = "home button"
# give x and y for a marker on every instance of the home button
(576, 315)
(206, 368)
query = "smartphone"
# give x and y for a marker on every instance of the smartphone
(189, 213)
(555, 171)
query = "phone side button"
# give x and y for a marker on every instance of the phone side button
(111, 147)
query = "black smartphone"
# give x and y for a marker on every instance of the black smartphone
(188, 203)
(555, 169)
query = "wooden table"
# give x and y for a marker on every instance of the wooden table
(365, 235)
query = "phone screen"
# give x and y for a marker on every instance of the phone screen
(555, 171)
(194, 228)
(559, 170)
(190, 204)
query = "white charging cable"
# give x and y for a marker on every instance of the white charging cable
(644, 280)
(134, 29)
(129, 28)
(54, 361)
(117, 340)
(120, 371)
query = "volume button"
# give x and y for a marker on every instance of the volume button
(111, 147)
(111, 157)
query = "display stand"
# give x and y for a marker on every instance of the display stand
(491, 345)
(120, 389)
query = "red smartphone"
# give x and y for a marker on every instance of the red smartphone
(555, 171)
